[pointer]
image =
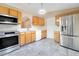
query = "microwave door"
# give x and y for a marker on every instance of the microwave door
(8, 20)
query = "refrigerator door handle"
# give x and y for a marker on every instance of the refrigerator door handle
(65, 27)
(62, 28)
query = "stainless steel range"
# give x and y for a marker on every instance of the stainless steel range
(8, 42)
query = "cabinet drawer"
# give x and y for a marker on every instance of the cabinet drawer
(57, 37)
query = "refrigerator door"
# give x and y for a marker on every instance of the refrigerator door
(63, 25)
(76, 43)
(69, 24)
(76, 24)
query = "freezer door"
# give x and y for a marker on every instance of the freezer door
(67, 41)
(70, 42)
(76, 24)
(64, 41)
(76, 43)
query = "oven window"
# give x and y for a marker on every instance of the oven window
(8, 41)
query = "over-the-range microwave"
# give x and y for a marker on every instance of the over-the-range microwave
(5, 19)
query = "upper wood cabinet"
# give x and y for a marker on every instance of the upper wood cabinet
(19, 17)
(35, 20)
(43, 22)
(57, 20)
(4, 10)
(13, 12)
(22, 38)
(38, 21)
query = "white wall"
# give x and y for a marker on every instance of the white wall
(51, 27)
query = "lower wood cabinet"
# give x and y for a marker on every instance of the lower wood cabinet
(33, 36)
(27, 37)
(22, 38)
(43, 34)
(57, 36)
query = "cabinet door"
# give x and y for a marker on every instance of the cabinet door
(43, 22)
(28, 37)
(4, 10)
(19, 17)
(33, 36)
(45, 33)
(39, 22)
(13, 12)
(35, 20)
(22, 38)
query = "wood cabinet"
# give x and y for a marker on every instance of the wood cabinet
(57, 20)
(38, 21)
(30, 37)
(22, 38)
(57, 36)
(19, 17)
(33, 36)
(35, 20)
(41, 22)
(43, 34)
(13, 12)
(4, 10)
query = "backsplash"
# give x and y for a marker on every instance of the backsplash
(4, 27)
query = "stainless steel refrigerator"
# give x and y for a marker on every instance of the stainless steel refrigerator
(70, 32)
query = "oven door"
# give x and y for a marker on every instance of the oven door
(8, 41)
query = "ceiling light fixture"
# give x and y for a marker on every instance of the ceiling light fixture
(42, 11)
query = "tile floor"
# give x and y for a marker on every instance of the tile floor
(45, 47)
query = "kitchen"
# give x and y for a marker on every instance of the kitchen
(21, 29)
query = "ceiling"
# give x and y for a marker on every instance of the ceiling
(33, 8)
